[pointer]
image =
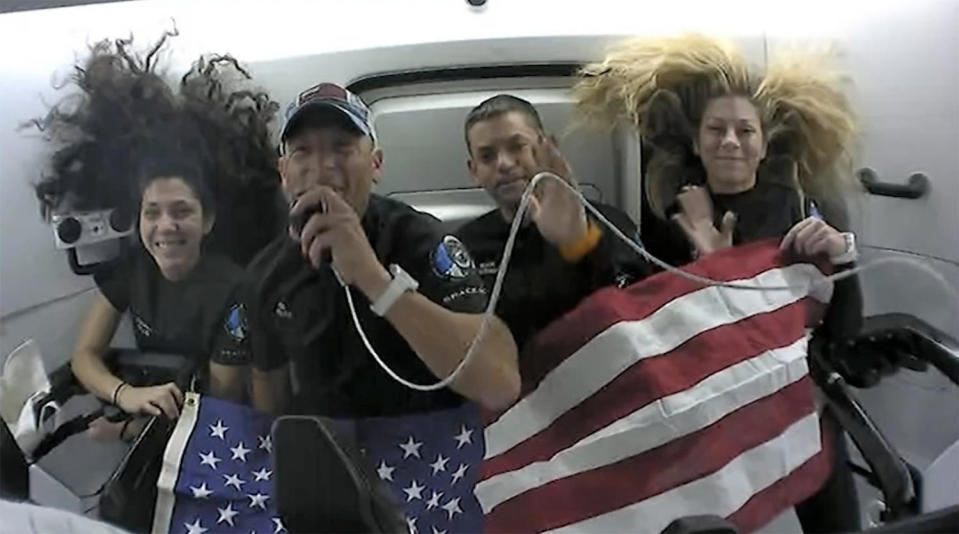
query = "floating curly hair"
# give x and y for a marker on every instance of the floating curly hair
(234, 120)
(126, 120)
(100, 130)
(662, 87)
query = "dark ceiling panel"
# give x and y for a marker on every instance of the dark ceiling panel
(8, 6)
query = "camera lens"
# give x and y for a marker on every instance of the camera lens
(120, 220)
(69, 230)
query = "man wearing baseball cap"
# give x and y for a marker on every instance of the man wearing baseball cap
(417, 296)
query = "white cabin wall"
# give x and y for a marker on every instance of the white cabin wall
(288, 47)
(903, 60)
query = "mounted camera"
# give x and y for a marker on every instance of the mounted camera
(76, 229)
(90, 237)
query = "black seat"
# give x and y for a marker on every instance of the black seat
(14, 477)
(889, 342)
(322, 484)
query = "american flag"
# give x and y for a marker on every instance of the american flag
(217, 475)
(431, 463)
(217, 478)
(662, 400)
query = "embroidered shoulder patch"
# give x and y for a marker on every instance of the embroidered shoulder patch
(235, 323)
(450, 259)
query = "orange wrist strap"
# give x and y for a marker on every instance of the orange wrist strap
(573, 252)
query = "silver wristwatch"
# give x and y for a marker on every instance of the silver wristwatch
(851, 253)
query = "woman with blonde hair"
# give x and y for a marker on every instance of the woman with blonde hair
(734, 155)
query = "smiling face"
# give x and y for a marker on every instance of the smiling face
(172, 226)
(730, 144)
(327, 151)
(501, 159)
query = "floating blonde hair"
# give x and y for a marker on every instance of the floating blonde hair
(623, 85)
(809, 119)
(662, 86)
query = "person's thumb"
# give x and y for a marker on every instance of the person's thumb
(682, 220)
(727, 226)
(534, 208)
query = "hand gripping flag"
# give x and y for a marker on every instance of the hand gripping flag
(663, 400)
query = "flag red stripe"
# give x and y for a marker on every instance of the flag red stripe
(621, 484)
(655, 378)
(609, 306)
(801, 484)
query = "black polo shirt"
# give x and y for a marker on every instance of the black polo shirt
(201, 317)
(540, 285)
(299, 315)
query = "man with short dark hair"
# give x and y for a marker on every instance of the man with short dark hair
(497, 106)
(561, 253)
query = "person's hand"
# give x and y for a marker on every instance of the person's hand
(337, 229)
(102, 430)
(696, 220)
(556, 211)
(813, 236)
(153, 400)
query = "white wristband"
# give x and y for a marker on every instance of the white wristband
(401, 283)
(851, 253)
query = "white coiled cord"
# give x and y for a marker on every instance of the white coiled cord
(508, 251)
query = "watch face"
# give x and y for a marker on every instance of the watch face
(402, 277)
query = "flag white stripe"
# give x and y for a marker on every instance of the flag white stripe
(172, 457)
(721, 493)
(658, 423)
(779, 368)
(625, 343)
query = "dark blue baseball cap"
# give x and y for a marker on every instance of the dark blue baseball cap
(329, 96)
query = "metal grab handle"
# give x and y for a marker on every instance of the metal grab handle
(891, 472)
(80, 270)
(916, 187)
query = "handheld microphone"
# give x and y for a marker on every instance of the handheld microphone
(298, 221)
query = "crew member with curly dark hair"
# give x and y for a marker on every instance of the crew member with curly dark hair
(197, 166)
